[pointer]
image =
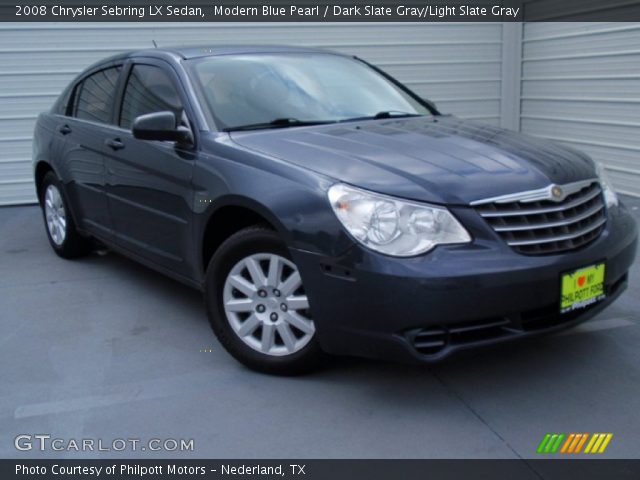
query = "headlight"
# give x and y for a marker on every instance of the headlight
(610, 197)
(392, 226)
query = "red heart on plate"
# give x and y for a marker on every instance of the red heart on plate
(581, 280)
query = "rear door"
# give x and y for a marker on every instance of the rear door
(149, 182)
(85, 130)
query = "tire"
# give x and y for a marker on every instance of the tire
(58, 221)
(268, 330)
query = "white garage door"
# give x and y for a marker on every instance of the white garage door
(581, 86)
(456, 65)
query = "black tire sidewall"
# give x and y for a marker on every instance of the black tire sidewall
(73, 245)
(240, 245)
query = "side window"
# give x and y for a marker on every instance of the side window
(149, 89)
(94, 96)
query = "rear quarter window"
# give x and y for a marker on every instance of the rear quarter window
(94, 96)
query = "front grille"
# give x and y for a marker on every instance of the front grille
(544, 226)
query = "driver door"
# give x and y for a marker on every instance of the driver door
(149, 187)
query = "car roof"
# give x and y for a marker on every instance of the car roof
(206, 51)
(210, 51)
(187, 52)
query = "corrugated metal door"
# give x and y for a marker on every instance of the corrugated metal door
(455, 65)
(581, 86)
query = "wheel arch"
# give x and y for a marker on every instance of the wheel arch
(230, 215)
(41, 169)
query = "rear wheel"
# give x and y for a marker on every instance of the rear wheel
(61, 229)
(257, 304)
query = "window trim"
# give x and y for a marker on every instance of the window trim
(72, 104)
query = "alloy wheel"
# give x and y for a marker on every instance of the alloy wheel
(55, 215)
(266, 305)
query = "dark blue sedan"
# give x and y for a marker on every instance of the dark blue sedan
(323, 207)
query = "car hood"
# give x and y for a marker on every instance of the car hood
(436, 159)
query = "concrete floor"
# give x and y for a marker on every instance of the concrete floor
(103, 348)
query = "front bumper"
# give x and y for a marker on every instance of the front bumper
(456, 297)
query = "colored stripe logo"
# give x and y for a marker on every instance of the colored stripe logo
(574, 443)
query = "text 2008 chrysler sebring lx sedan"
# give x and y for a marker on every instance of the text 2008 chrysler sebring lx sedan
(323, 207)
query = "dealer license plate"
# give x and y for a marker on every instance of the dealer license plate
(582, 287)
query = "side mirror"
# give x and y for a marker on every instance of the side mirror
(161, 126)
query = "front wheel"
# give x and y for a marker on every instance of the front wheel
(257, 304)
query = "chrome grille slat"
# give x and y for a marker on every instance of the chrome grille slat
(559, 238)
(558, 223)
(537, 211)
(545, 226)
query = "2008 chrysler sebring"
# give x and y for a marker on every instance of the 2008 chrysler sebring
(322, 206)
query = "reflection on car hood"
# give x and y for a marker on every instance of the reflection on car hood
(442, 159)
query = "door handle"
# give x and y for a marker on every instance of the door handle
(114, 143)
(64, 129)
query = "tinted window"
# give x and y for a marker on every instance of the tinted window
(94, 96)
(149, 89)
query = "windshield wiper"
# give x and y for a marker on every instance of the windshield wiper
(279, 123)
(384, 114)
(294, 122)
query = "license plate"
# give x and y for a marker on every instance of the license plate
(582, 287)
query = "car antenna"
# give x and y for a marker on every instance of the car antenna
(155, 45)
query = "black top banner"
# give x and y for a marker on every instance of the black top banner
(320, 11)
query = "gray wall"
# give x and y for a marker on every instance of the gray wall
(471, 70)
(458, 66)
(581, 86)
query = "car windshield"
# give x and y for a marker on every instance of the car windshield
(285, 90)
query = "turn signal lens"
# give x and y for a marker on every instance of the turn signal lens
(610, 197)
